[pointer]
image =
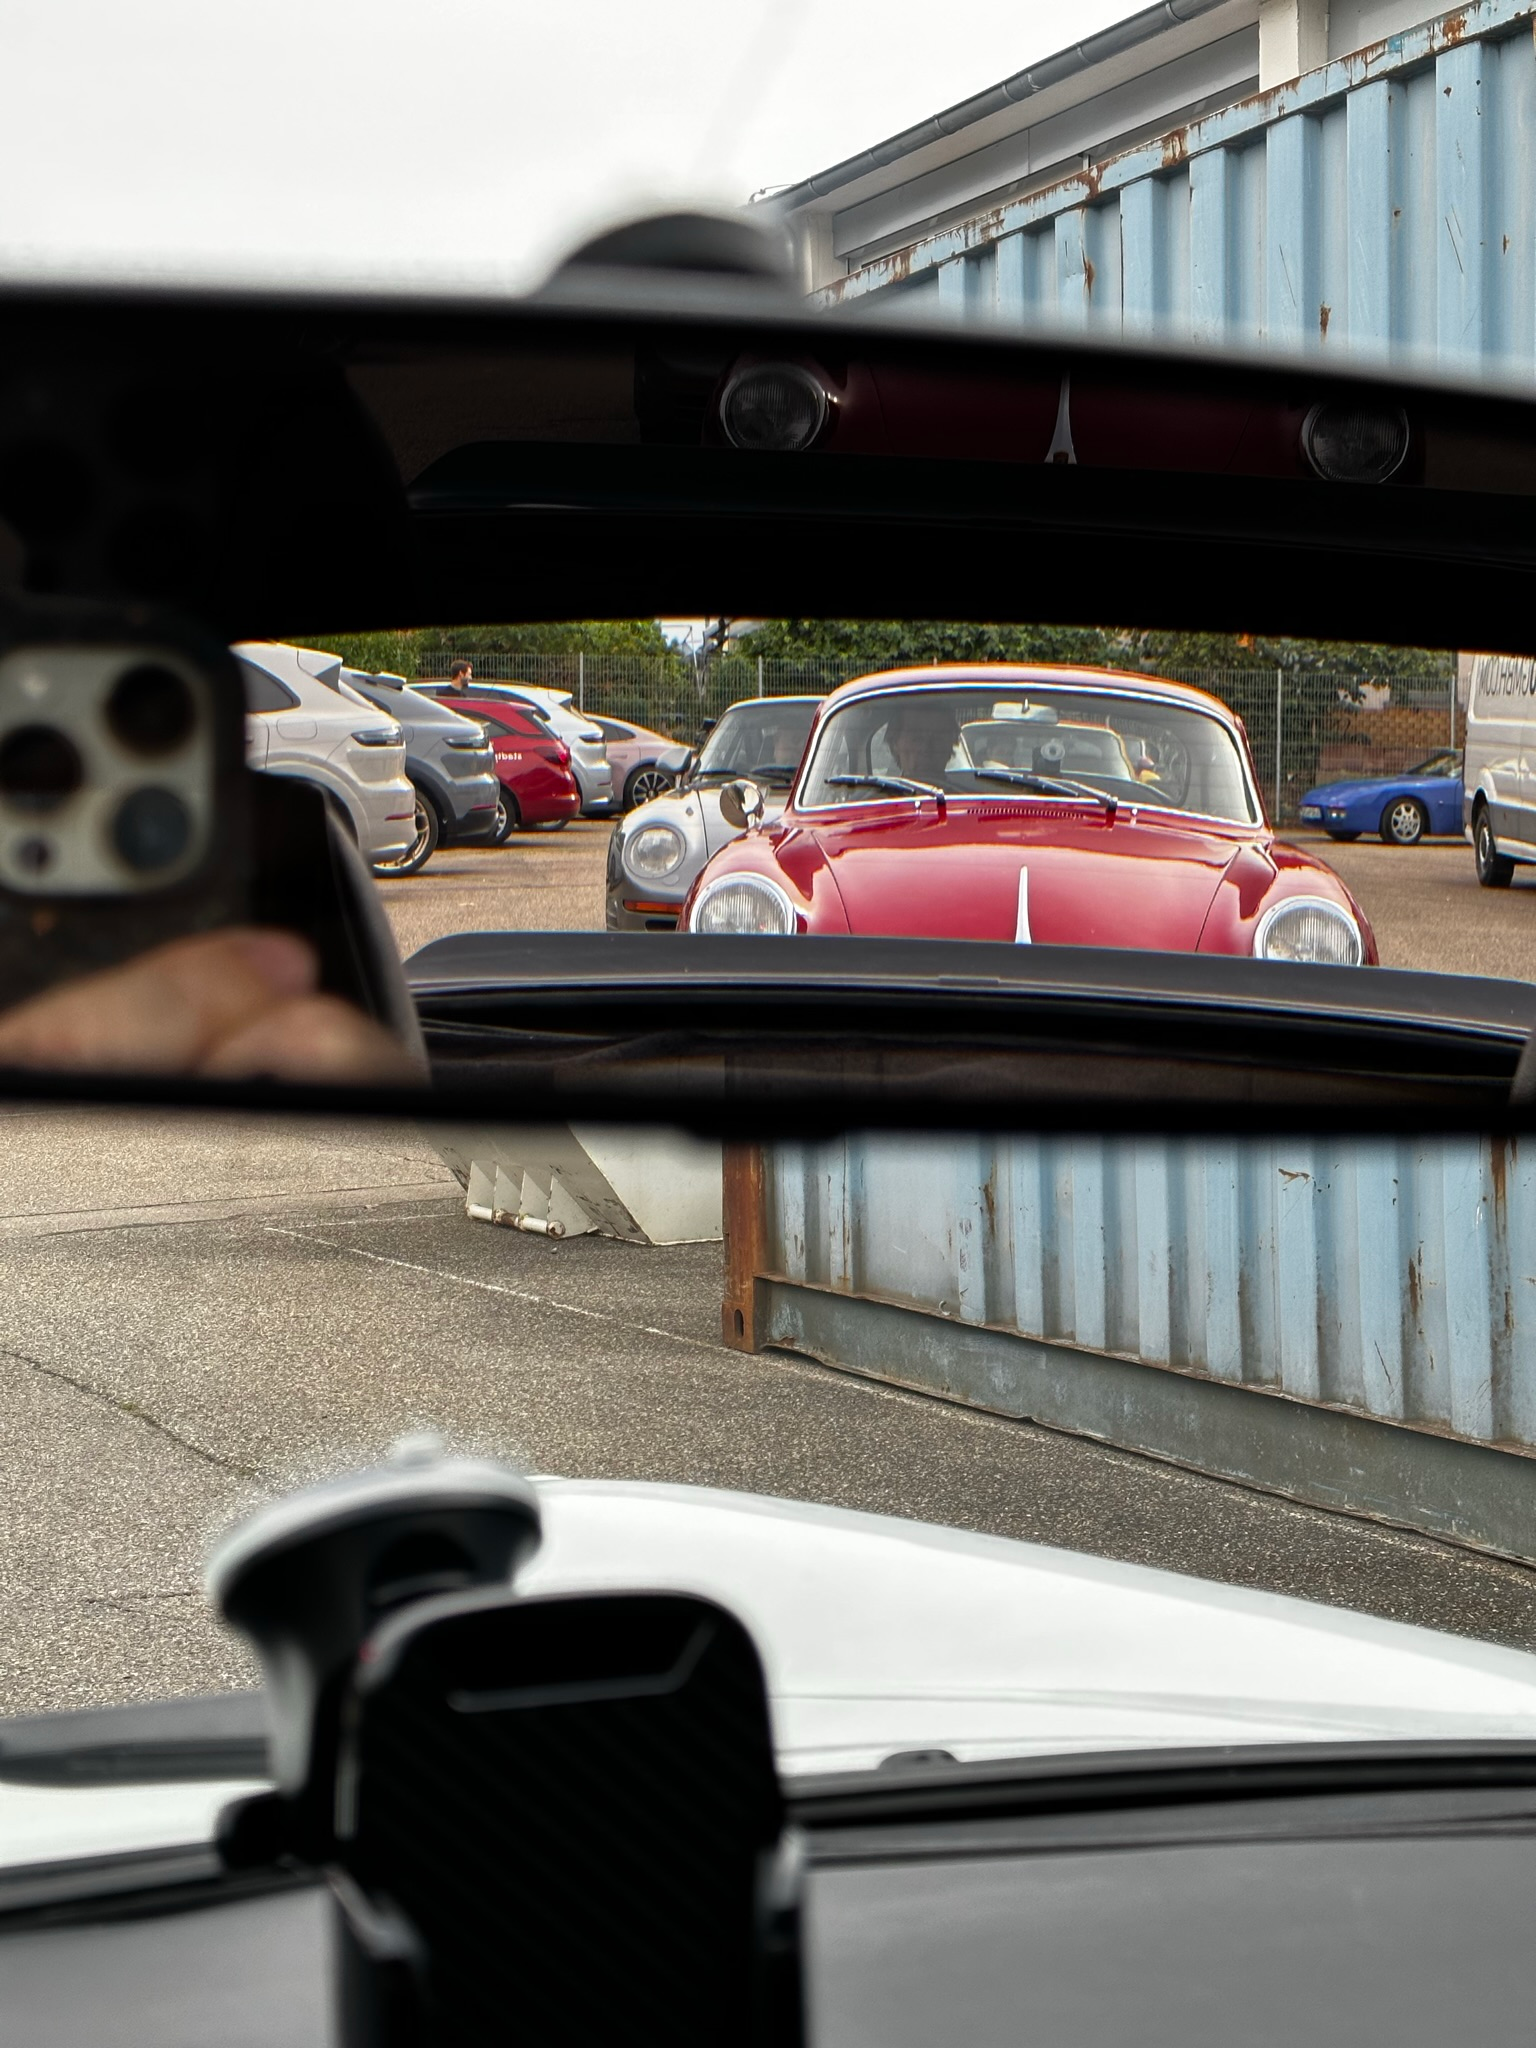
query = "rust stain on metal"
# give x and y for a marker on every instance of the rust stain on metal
(1089, 274)
(744, 1190)
(1452, 30)
(1414, 1283)
(1324, 314)
(1175, 147)
(1501, 1154)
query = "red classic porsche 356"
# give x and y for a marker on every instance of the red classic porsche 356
(1059, 806)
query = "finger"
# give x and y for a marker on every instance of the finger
(319, 1040)
(164, 1012)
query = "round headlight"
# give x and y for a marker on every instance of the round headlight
(1355, 444)
(743, 903)
(654, 852)
(773, 405)
(1309, 928)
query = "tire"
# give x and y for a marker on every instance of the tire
(1404, 822)
(429, 829)
(645, 782)
(550, 825)
(508, 818)
(1344, 838)
(1495, 870)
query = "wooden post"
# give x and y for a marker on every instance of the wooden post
(745, 1216)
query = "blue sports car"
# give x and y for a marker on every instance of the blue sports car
(1403, 808)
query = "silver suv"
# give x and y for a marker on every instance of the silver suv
(303, 721)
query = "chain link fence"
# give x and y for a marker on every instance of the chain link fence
(1304, 727)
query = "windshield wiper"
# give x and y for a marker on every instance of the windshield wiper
(773, 771)
(1049, 785)
(898, 785)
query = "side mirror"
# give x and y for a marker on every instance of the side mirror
(741, 805)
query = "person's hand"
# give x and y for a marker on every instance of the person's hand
(232, 1005)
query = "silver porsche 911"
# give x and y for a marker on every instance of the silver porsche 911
(657, 850)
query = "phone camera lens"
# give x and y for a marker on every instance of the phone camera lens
(150, 710)
(39, 767)
(151, 830)
(34, 855)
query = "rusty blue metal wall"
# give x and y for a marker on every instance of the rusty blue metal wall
(1386, 202)
(1392, 1282)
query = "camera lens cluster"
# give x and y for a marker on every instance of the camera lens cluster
(151, 714)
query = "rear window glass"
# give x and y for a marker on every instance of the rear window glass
(263, 691)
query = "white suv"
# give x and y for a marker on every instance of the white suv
(303, 721)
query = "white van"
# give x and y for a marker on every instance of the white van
(302, 720)
(1498, 769)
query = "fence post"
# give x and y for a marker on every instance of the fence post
(581, 682)
(1279, 731)
(759, 675)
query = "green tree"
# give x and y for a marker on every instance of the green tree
(401, 653)
(890, 643)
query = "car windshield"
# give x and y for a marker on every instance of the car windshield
(968, 1102)
(1036, 736)
(764, 740)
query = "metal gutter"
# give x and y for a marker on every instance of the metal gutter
(1115, 41)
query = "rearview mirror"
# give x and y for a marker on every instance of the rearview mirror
(576, 459)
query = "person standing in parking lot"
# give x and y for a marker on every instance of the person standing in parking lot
(460, 677)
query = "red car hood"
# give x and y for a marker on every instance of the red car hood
(1092, 881)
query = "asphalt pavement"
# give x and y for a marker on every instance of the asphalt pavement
(198, 1313)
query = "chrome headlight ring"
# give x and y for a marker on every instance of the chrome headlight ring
(1310, 929)
(743, 904)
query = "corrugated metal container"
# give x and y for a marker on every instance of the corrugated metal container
(1394, 1278)
(1386, 201)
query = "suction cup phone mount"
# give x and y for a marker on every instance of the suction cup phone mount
(563, 1806)
(308, 1579)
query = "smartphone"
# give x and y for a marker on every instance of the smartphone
(566, 1811)
(124, 797)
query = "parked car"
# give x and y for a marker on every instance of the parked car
(303, 720)
(1054, 805)
(1498, 798)
(451, 765)
(655, 853)
(1404, 808)
(533, 766)
(645, 764)
(557, 708)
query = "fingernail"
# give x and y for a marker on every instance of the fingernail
(284, 961)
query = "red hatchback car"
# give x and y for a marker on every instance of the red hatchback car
(1061, 806)
(532, 764)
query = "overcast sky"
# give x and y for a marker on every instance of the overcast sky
(459, 141)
